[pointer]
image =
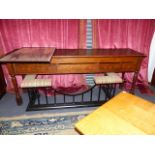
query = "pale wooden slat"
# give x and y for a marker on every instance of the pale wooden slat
(29, 77)
(30, 81)
(107, 79)
(36, 83)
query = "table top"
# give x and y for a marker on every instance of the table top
(123, 114)
(96, 52)
(45, 54)
(29, 54)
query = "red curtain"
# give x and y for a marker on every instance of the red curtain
(117, 33)
(125, 33)
(44, 33)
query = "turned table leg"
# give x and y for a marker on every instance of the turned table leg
(18, 96)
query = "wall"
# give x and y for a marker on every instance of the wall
(151, 64)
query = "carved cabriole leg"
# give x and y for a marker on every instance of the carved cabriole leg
(135, 76)
(17, 92)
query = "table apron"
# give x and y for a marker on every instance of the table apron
(68, 68)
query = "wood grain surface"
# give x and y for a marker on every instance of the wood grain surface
(123, 114)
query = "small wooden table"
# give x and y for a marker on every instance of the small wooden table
(124, 114)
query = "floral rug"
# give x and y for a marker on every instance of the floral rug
(44, 124)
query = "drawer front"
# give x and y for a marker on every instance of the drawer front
(119, 65)
(77, 60)
(34, 68)
(95, 68)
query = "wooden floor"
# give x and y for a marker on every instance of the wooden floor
(124, 114)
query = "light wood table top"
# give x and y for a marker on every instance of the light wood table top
(123, 114)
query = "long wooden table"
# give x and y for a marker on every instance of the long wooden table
(46, 60)
(123, 114)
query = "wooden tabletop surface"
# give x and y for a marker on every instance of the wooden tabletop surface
(96, 52)
(29, 54)
(123, 114)
(45, 54)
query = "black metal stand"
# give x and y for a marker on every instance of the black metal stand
(109, 90)
(94, 96)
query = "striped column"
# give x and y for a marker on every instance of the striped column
(89, 34)
(89, 77)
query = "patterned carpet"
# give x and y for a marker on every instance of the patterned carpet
(45, 124)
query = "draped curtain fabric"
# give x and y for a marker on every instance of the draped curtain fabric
(125, 33)
(57, 33)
